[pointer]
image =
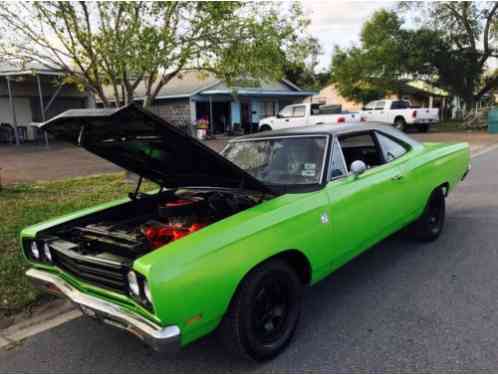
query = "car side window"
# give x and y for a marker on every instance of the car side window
(337, 164)
(400, 104)
(360, 146)
(380, 105)
(370, 106)
(286, 112)
(299, 111)
(391, 149)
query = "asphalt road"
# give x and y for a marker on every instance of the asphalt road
(400, 307)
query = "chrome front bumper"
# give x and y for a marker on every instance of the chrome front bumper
(161, 339)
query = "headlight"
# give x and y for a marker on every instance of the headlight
(147, 293)
(47, 253)
(34, 250)
(133, 283)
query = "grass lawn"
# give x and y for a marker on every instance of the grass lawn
(26, 204)
(453, 126)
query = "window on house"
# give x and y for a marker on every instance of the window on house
(269, 108)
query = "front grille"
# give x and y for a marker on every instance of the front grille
(108, 276)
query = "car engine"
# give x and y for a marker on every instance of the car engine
(171, 219)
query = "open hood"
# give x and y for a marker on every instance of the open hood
(143, 143)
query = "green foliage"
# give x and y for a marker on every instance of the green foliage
(443, 50)
(27, 204)
(375, 67)
(120, 44)
(466, 39)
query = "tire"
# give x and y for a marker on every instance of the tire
(264, 312)
(423, 128)
(265, 128)
(429, 226)
(400, 123)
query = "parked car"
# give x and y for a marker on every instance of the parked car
(400, 114)
(230, 241)
(305, 114)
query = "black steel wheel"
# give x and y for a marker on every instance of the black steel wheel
(399, 123)
(430, 225)
(264, 313)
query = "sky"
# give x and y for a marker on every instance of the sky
(338, 22)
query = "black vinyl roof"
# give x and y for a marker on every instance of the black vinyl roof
(332, 129)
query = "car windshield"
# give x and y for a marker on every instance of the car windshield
(280, 161)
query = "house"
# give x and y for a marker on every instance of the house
(33, 94)
(330, 95)
(193, 95)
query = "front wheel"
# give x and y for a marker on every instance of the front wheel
(264, 312)
(430, 225)
(264, 128)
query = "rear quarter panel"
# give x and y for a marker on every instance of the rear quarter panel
(430, 166)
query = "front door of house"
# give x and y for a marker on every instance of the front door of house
(245, 109)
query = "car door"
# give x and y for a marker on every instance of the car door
(299, 115)
(380, 112)
(396, 153)
(368, 111)
(283, 118)
(362, 209)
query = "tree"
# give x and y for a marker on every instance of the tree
(120, 44)
(366, 72)
(302, 71)
(444, 50)
(468, 31)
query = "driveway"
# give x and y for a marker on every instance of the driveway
(29, 163)
(400, 307)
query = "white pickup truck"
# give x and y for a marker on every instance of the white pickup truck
(400, 114)
(304, 114)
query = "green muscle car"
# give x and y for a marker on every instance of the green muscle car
(230, 241)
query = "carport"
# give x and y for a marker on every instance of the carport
(32, 95)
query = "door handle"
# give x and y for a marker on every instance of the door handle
(397, 177)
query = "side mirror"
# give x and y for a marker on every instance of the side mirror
(279, 115)
(358, 167)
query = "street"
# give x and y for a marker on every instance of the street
(401, 307)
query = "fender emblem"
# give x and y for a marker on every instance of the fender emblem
(324, 218)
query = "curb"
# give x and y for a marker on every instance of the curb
(484, 151)
(54, 315)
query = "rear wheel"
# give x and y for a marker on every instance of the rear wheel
(264, 312)
(430, 225)
(399, 123)
(423, 128)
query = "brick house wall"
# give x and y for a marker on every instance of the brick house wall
(175, 111)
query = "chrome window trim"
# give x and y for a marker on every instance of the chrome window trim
(336, 147)
(400, 142)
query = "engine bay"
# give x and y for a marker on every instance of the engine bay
(139, 229)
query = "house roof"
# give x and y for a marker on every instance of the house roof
(29, 69)
(195, 82)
